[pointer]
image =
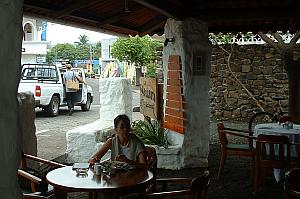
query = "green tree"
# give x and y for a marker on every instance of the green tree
(62, 51)
(97, 50)
(138, 50)
(83, 52)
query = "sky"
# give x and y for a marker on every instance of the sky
(57, 33)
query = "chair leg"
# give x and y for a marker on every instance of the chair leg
(256, 180)
(221, 167)
(252, 170)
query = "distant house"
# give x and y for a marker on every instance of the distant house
(34, 45)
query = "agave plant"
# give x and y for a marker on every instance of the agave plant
(150, 132)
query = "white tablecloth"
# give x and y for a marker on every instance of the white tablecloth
(277, 129)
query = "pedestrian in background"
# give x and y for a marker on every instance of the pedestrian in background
(70, 93)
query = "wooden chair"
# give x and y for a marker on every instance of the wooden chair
(38, 186)
(234, 149)
(294, 119)
(152, 166)
(271, 152)
(34, 196)
(292, 184)
(197, 187)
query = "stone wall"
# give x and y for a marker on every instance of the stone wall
(260, 68)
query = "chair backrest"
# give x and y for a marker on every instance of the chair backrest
(294, 119)
(222, 134)
(151, 158)
(200, 185)
(198, 188)
(291, 184)
(272, 151)
(34, 170)
(151, 165)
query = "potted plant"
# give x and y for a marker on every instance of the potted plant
(151, 132)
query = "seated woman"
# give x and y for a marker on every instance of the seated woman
(125, 146)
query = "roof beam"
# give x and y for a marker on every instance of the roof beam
(127, 29)
(153, 24)
(101, 25)
(154, 6)
(75, 6)
(118, 16)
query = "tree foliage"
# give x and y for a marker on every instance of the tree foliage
(97, 50)
(80, 50)
(138, 50)
(62, 52)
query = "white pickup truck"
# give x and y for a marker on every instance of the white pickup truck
(45, 81)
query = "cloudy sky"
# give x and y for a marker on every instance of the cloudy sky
(57, 33)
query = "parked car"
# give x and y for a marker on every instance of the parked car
(45, 81)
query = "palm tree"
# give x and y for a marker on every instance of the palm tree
(83, 40)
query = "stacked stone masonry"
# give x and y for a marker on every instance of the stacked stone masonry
(260, 68)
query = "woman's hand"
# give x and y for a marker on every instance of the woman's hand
(92, 160)
(121, 158)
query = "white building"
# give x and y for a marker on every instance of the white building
(34, 47)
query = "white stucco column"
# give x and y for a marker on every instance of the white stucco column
(10, 60)
(192, 45)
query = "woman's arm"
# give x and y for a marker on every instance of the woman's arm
(142, 159)
(140, 163)
(101, 151)
(80, 79)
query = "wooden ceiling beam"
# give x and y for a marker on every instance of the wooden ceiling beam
(127, 29)
(102, 23)
(153, 24)
(74, 6)
(157, 6)
(119, 16)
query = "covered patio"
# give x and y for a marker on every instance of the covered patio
(186, 25)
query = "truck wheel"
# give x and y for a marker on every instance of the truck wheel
(87, 106)
(53, 108)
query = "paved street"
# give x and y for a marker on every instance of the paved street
(51, 131)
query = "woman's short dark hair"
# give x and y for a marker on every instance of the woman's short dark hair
(123, 118)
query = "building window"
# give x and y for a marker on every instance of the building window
(198, 64)
(28, 32)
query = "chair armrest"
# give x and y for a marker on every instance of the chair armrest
(239, 135)
(170, 194)
(36, 195)
(31, 157)
(295, 143)
(29, 176)
(174, 180)
(237, 130)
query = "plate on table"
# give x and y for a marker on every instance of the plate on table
(117, 165)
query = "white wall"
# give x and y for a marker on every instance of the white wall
(191, 37)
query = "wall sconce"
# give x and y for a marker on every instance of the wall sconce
(172, 40)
